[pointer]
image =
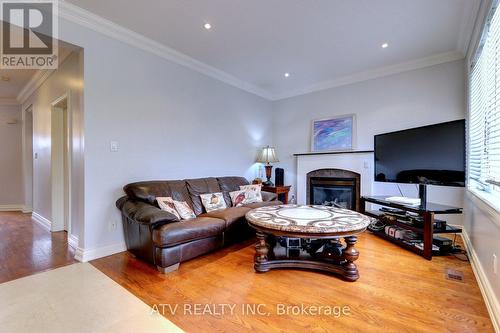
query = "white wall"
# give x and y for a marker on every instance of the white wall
(410, 99)
(170, 122)
(11, 176)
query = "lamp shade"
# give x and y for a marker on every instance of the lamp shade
(267, 155)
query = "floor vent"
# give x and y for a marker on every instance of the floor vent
(454, 275)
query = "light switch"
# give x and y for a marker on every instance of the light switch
(366, 165)
(114, 146)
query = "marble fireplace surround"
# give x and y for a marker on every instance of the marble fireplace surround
(361, 163)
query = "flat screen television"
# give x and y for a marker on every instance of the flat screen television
(429, 155)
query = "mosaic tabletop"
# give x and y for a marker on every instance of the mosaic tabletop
(308, 219)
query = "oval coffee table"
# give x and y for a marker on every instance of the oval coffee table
(318, 230)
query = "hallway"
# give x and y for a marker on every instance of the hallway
(27, 248)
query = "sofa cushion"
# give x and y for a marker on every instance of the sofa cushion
(148, 191)
(184, 210)
(253, 192)
(186, 231)
(229, 215)
(201, 186)
(179, 192)
(263, 204)
(230, 184)
(268, 196)
(167, 204)
(213, 201)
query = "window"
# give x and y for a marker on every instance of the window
(484, 116)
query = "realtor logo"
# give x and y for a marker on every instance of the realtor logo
(29, 34)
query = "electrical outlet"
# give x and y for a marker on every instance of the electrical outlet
(112, 225)
(495, 264)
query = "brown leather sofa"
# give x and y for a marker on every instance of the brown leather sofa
(161, 239)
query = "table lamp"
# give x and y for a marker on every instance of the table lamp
(267, 156)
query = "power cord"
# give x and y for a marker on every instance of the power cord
(458, 252)
(376, 225)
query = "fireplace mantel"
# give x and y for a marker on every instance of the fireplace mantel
(361, 162)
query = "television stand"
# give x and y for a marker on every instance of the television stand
(422, 194)
(426, 212)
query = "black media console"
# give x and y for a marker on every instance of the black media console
(418, 221)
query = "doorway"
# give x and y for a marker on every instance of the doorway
(61, 165)
(28, 156)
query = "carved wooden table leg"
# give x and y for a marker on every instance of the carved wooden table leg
(261, 251)
(350, 254)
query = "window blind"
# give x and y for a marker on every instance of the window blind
(484, 112)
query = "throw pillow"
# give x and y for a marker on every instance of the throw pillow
(184, 210)
(253, 193)
(167, 204)
(213, 201)
(238, 198)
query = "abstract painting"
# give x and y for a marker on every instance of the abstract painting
(333, 134)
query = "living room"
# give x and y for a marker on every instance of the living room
(185, 99)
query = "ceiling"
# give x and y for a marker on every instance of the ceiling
(13, 82)
(257, 41)
(18, 79)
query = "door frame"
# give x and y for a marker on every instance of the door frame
(28, 155)
(68, 151)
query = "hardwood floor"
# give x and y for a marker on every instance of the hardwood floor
(398, 291)
(27, 248)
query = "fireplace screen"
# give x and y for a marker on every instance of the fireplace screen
(342, 196)
(334, 191)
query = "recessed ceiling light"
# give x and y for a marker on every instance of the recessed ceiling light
(287, 74)
(5, 78)
(207, 26)
(385, 45)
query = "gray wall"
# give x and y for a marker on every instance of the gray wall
(11, 175)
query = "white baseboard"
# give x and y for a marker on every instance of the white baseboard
(11, 208)
(27, 209)
(73, 241)
(85, 255)
(41, 221)
(490, 299)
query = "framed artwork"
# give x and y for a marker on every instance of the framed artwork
(333, 134)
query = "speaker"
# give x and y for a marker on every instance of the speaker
(279, 176)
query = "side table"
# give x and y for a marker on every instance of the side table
(281, 191)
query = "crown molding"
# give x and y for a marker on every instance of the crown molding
(375, 73)
(477, 31)
(33, 84)
(469, 16)
(101, 25)
(8, 101)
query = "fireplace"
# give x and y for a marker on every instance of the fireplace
(333, 187)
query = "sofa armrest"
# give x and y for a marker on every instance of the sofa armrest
(145, 213)
(268, 196)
